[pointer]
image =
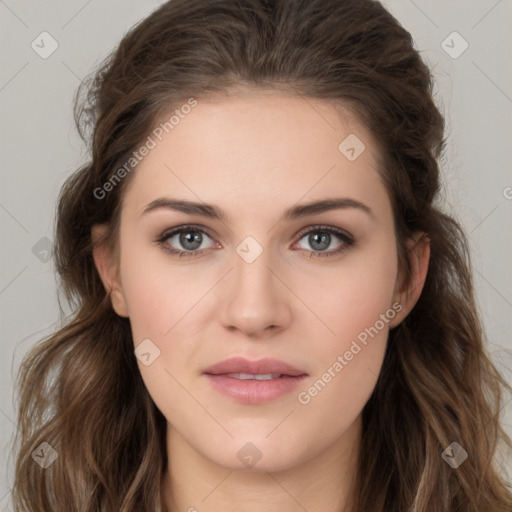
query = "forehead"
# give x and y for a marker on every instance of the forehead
(258, 149)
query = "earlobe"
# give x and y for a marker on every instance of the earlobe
(107, 269)
(419, 256)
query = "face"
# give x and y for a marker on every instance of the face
(263, 278)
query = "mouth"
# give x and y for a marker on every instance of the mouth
(257, 376)
(254, 382)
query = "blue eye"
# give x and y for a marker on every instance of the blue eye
(191, 238)
(320, 238)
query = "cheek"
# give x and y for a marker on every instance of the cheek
(157, 295)
(351, 298)
(159, 302)
(163, 304)
(356, 307)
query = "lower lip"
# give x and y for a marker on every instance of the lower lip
(255, 391)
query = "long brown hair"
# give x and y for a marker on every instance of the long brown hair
(80, 389)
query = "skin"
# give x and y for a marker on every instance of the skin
(255, 154)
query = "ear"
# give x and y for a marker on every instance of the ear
(107, 268)
(418, 253)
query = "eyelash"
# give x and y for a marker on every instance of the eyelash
(347, 240)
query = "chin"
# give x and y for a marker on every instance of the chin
(257, 454)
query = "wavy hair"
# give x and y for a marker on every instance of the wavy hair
(80, 389)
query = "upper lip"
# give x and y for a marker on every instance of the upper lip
(261, 366)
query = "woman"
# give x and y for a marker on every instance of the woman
(271, 312)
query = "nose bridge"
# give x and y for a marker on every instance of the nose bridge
(256, 299)
(252, 266)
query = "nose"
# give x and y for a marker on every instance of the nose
(255, 298)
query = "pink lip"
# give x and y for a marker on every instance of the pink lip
(242, 365)
(254, 391)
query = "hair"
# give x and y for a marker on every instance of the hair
(80, 389)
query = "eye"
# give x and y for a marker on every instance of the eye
(320, 239)
(189, 238)
(187, 241)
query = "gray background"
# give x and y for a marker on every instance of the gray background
(39, 149)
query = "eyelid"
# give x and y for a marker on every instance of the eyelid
(170, 232)
(322, 227)
(182, 227)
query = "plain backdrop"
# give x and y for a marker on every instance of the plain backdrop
(40, 148)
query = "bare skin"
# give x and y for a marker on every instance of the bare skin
(255, 155)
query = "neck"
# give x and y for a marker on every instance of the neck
(325, 483)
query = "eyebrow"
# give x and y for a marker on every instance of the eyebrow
(295, 212)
